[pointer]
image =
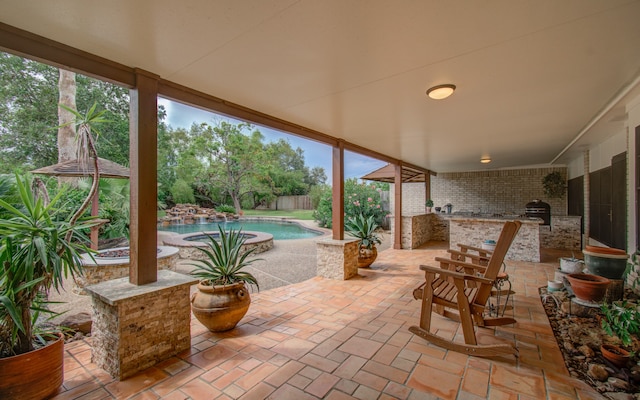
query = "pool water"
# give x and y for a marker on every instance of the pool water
(279, 230)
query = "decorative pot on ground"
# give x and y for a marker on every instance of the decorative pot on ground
(33, 375)
(222, 298)
(615, 354)
(571, 265)
(366, 257)
(604, 261)
(588, 287)
(220, 308)
(364, 229)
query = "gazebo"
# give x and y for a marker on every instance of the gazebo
(74, 168)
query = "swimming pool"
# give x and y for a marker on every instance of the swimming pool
(279, 230)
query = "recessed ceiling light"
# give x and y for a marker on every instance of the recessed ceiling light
(441, 91)
(485, 160)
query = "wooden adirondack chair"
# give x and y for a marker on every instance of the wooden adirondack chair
(460, 291)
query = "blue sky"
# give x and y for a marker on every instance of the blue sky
(315, 154)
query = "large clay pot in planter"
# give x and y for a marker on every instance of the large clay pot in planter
(615, 354)
(587, 287)
(220, 308)
(34, 375)
(604, 261)
(366, 257)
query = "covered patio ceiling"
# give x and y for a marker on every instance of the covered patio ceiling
(537, 81)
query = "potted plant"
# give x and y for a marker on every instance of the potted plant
(554, 184)
(620, 319)
(222, 298)
(571, 265)
(364, 229)
(36, 252)
(429, 204)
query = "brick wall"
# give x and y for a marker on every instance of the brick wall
(498, 191)
(413, 198)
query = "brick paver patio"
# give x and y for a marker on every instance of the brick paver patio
(348, 340)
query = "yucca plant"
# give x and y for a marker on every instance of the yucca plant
(36, 253)
(225, 260)
(364, 229)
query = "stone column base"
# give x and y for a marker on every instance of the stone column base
(337, 259)
(136, 327)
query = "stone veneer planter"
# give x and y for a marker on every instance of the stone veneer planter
(107, 268)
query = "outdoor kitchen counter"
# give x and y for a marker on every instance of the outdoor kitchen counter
(474, 229)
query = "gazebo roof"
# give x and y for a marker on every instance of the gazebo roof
(108, 169)
(387, 174)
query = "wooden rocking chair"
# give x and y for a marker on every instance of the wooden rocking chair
(460, 291)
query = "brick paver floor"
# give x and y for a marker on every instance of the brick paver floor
(349, 340)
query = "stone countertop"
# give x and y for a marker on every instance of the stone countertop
(114, 291)
(492, 218)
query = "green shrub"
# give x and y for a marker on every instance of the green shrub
(182, 192)
(359, 199)
(225, 208)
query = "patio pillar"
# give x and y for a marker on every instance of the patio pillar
(397, 221)
(337, 257)
(143, 127)
(427, 186)
(337, 201)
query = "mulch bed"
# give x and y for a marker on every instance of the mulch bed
(580, 338)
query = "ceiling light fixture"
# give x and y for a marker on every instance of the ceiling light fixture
(485, 160)
(441, 91)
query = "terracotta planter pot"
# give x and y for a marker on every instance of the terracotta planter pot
(588, 287)
(34, 375)
(615, 354)
(366, 257)
(220, 308)
(605, 250)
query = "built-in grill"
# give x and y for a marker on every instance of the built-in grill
(539, 209)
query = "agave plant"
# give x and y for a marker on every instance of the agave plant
(225, 260)
(363, 229)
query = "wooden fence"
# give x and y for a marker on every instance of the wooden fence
(291, 203)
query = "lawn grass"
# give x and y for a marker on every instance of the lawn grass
(297, 214)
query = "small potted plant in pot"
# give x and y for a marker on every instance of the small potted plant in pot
(364, 229)
(223, 298)
(37, 251)
(429, 204)
(621, 320)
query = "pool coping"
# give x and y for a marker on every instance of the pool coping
(290, 220)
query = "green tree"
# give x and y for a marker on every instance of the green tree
(29, 114)
(238, 160)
